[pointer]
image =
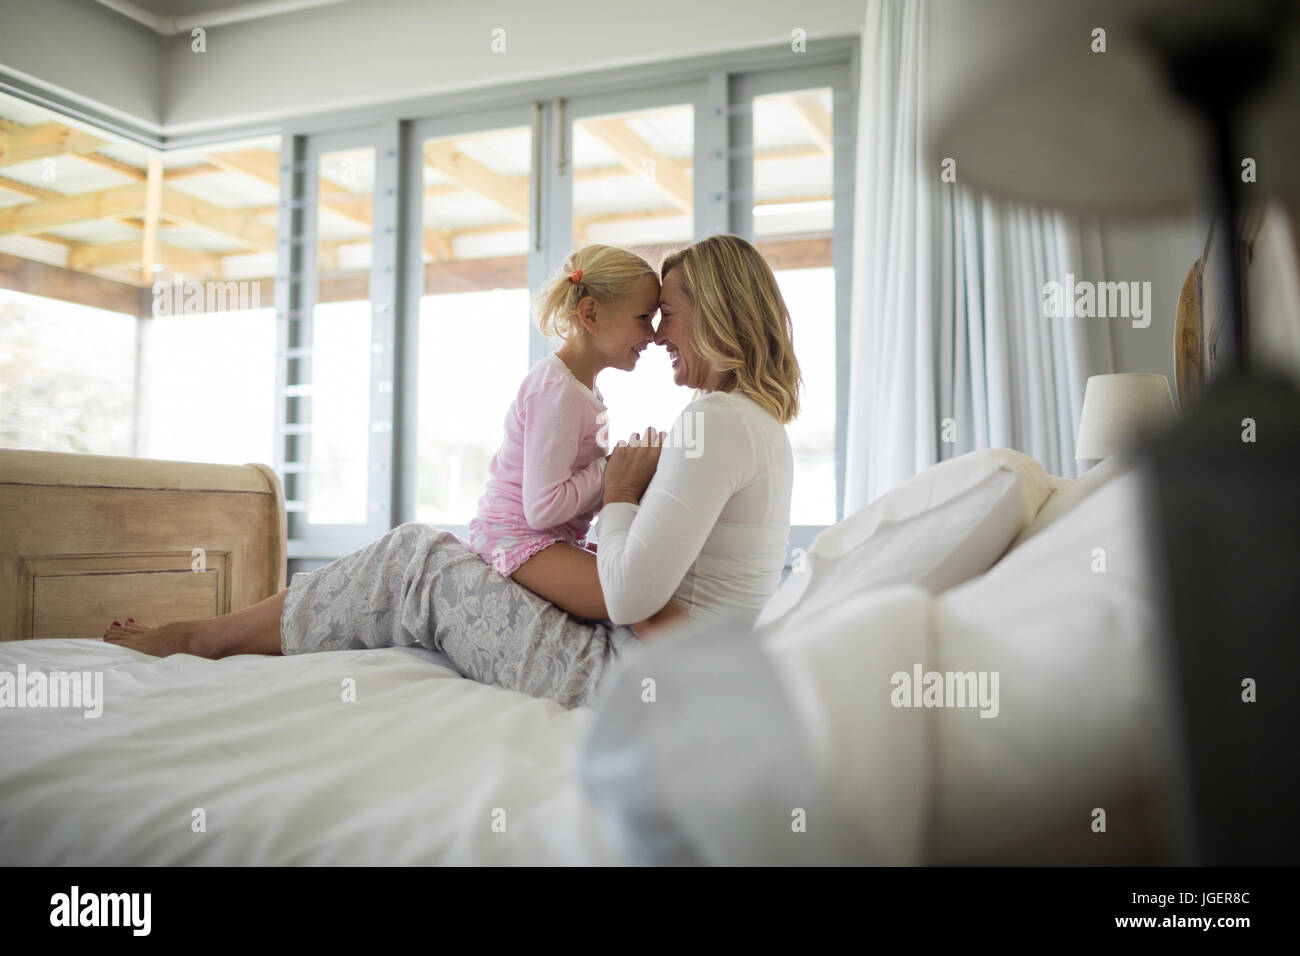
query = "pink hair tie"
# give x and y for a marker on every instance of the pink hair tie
(576, 277)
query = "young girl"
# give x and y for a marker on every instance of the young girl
(547, 480)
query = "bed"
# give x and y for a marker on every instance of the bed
(250, 760)
(797, 741)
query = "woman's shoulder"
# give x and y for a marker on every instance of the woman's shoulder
(735, 405)
(732, 422)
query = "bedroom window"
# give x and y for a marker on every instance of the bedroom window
(473, 310)
(335, 305)
(340, 332)
(400, 257)
(633, 186)
(492, 199)
(67, 376)
(794, 223)
(134, 282)
(209, 387)
(790, 137)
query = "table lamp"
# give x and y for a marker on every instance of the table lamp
(1119, 411)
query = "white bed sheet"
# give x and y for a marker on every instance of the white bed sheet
(284, 770)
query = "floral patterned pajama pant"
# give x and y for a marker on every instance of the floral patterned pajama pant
(422, 586)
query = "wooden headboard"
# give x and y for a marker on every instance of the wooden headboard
(87, 539)
(1270, 253)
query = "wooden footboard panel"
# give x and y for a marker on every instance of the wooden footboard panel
(89, 539)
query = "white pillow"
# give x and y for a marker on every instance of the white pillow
(1072, 726)
(937, 529)
(1069, 623)
(1069, 495)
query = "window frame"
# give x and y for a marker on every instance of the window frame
(743, 88)
(407, 381)
(297, 282)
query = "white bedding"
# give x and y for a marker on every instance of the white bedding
(284, 770)
(1068, 626)
(413, 771)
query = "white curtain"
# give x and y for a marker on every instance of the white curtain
(951, 350)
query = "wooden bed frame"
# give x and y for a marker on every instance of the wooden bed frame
(89, 539)
(1269, 243)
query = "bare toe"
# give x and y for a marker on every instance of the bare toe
(124, 629)
(162, 641)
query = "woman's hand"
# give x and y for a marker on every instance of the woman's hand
(632, 464)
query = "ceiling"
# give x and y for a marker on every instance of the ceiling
(167, 17)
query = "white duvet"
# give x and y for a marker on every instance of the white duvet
(427, 767)
(259, 760)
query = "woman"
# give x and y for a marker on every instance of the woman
(699, 520)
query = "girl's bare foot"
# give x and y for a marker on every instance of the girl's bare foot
(183, 637)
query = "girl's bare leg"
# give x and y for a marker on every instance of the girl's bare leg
(253, 630)
(567, 577)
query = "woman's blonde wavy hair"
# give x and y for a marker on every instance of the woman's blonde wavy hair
(608, 274)
(741, 324)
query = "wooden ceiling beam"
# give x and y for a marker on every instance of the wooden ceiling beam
(355, 207)
(438, 243)
(199, 265)
(58, 240)
(815, 118)
(26, 189)
(264, 166)
(115, 165)
(185, 172)
(508, 192)
(23, 144)
(152, 210)
(235, 224)
(634, 152)
(261, 164)
(141, 173)
(62, 210)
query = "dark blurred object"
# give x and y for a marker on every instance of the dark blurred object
(1227, 519)
(1226, 523)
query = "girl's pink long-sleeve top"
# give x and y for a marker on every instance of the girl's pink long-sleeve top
(547, 478)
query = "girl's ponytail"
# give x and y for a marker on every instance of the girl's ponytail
(606, 273)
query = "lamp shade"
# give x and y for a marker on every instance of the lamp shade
(1027, 104)
(1120, 409)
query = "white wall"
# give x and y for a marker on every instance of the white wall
(1159, 252)
(87, 53)
(361, 53)
(366, 52)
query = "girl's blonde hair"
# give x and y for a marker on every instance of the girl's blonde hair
(608, 274)
(741, 324)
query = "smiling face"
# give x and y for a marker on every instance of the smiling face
(625, 326)
(676, 315)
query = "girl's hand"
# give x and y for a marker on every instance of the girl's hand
(632, 464)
